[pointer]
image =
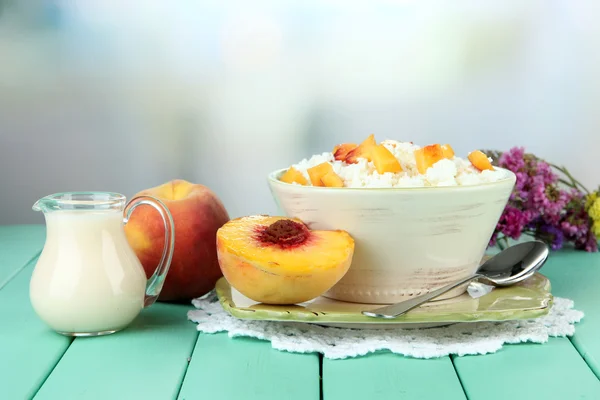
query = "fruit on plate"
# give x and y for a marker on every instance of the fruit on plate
(448, 151)
(279, 260)
(331, 179)
(292, 175)
(324, 175)
(480, 160)
(362, 151)
(427, 156)
(384, 160)
(318, 171)
(340, 152)
(381, 157)
(197, 213)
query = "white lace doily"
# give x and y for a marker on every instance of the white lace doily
(334, 343)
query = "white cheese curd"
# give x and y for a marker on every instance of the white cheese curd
(446, 172)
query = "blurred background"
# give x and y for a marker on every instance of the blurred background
(122, 95)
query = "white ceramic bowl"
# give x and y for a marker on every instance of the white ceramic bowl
(408, 240)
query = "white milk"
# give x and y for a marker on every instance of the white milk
(87, 279)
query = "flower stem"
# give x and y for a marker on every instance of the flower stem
(570, 184)
(574, 182)
(502, 242)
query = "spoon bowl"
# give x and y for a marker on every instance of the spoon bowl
(514, 264)
(510, 266)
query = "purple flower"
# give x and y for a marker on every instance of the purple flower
(530, 215)
(588, 243)
(538, 193)
(519, 191)
(544, 171)
(538, 206)
(570, 230)
(548, 200)
(575, 222)
(551, 235)
(512, 222)
(575, 227)
(513, 159)
(558, 201)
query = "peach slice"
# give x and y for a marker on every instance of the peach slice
(340, 152)
(480, 160)
(362, 151)
(448, 151)
(427, 156)
(279, 260)
(331, 179)
(292, 175)
(384, 160)
(319, 171)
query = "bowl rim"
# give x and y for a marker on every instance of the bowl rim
(272, 178)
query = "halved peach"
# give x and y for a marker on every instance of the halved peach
(340, 152)
(384, 160)
(292, 175)
(427, 156)
(362, 151)
(480, 160)
(279, 260)
(331, 179)
(319, 171)
(448, 151)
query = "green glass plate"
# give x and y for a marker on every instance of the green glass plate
(528, 299)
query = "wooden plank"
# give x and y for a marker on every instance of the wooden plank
(147, 360)
(575, 275)
(18, 245)
(553, 370)
(246, 368)
(28, 349)
(385, 376)
(558, 364)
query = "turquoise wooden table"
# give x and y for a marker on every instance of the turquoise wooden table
(162, 356)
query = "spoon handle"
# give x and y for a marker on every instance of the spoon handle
(397, 309)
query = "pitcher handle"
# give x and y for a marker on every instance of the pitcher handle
(155, 283)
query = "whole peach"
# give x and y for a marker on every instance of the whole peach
(197, 213)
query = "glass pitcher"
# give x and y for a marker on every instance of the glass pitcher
(88, 280)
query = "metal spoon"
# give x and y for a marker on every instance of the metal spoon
(508, 267)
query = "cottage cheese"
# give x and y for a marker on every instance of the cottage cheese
(447, 172)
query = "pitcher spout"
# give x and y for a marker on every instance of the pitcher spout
(46, 203)
(40, 205)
